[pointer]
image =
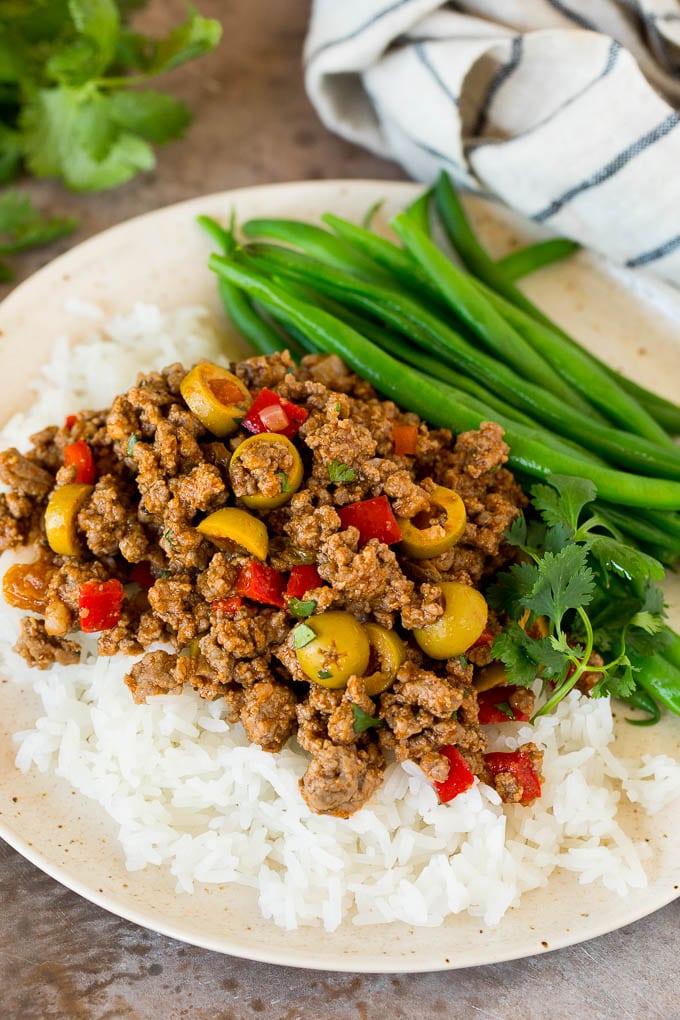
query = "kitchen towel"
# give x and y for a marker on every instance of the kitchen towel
(567, 112)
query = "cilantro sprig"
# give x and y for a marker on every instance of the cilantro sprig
(73, 101)
(590, 589)
(22, 226)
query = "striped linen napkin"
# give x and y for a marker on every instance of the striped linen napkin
(568, 112)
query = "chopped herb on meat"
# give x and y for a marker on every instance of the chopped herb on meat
(340, 473)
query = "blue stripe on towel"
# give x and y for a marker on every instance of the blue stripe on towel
(419, 50)
(655, 253)
(610, 169)
(497, 81)
(330, 43)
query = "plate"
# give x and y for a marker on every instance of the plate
(631, 320)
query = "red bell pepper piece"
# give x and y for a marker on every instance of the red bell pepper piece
(70, 421)
(460, 777)
(495, 707)
(405, 439)
(261, 583)
(99, 604)
(519, 765)
(485, 638)
(373, 518)
(286, 422)
(80, 455)
(142, 574)
(301, 580)
(227, 606)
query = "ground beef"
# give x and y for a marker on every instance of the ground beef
(159, 472)
(153, 674)
(339, 780)
(268, 714)
(40, 649)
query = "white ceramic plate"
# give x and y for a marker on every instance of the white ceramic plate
(160, 258)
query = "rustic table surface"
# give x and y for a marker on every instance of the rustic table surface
(61, 956)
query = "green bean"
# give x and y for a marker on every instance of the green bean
(477, 260)
(672, 652)
(643, 702)
(536, 256)
(264, 338)
(659, 678)
(573, 365)
(387, 255)
(432, 401)
(495, 409)
(474, 256)
(638, 527)
(317, 242)
(495, 332)
(621, 447)
(404, 314)
(462, 295)
(576, 364)
(419, 210)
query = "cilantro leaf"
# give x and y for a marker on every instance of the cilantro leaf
(324, 674)
(363, 721)
(97, 24)
(512, 587)
(562, 500)
(70, 134)
(154, 116)
(565, 581)
(520, 653)
(192, 39)
(23, 227)
(340, 473)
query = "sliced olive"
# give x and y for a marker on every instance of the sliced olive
(331, 647)
(435, 537)
(493, 675)
(461, 624)
(217, 397)
(61, 515)
(265, 471)
(390, 652)
(232, 526)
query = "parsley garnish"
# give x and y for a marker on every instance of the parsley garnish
(302, 607)
(594, 591)
(324, 674)
(169, 537)
(132, 442)
(363, 721)
(302, 635)
(285, 484)
(339, 473)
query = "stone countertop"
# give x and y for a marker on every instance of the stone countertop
(61, 956)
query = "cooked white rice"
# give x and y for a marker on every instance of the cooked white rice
(191, 794)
